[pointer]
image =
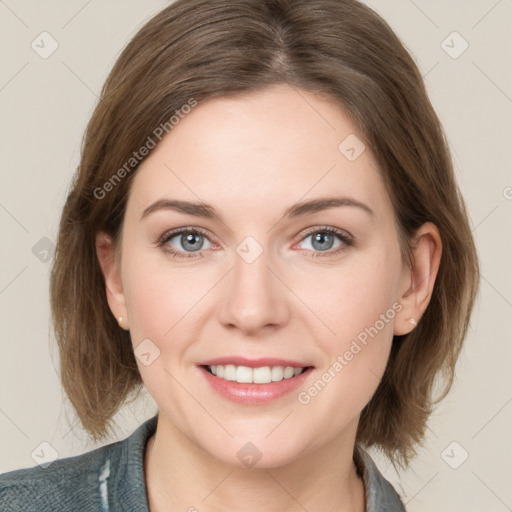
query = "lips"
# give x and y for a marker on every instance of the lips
(253, 363)
(253, 381)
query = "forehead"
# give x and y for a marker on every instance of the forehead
(272, 147)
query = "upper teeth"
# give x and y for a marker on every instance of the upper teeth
(260, 375)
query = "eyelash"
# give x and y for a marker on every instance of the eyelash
(342, 236)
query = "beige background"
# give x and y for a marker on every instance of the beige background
(44, 106)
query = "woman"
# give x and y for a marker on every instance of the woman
(231, 141)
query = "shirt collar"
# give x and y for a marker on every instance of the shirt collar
(380, 494)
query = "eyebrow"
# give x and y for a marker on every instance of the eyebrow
(205, 210)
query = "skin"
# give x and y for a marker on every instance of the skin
(251, 157)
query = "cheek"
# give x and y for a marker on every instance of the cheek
(347, 299)
(162, 297)
(163, 303)
(357, 305)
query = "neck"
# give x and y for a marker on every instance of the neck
(181, 476)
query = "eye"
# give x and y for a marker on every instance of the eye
(184, 242)
(324, 240)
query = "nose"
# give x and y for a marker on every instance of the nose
(254, 298)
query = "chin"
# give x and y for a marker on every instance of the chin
(260, 453)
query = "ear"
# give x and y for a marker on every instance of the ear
(110, 267)
(417, 282)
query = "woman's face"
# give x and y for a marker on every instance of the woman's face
(258, 282)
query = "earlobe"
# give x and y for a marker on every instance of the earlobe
(419, 278)
(110, 268)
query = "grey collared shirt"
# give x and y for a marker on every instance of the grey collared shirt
(111, 479)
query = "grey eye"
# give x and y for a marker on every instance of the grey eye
(189, 242)
(321, 241)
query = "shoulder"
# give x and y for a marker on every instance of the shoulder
(87, 482)
(63, 485)
(381, 496)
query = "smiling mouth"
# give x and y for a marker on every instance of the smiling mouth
(258, 375)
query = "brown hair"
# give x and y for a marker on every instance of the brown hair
(195, 50)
